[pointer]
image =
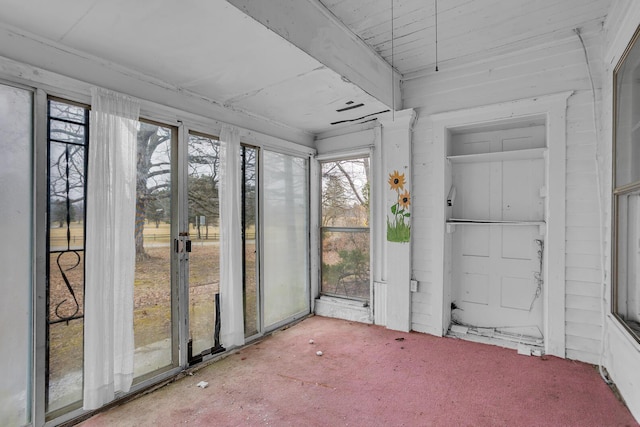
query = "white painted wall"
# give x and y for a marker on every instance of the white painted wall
(622, 355)
(558, 66)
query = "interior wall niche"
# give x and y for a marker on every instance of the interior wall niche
(496, 226)
(493, 165)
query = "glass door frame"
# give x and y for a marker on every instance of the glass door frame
(257, 238)
(307, 158)
(182, 239)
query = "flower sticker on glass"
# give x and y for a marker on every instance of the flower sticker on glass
(398, 226)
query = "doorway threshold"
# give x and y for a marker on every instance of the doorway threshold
(525, 345)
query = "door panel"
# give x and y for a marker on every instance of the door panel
(250, 237)
(498, 290)
(521, 184)
(472, 183)
(285, 219)
(204, 259)
(153, 323)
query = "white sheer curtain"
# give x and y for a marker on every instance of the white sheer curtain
(231, 304)
(110, 247)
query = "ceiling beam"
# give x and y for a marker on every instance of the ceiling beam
(312, 28)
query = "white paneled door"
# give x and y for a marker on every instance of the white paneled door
(497, 247)
(494, 278)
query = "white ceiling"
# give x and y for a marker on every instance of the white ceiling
(210, 48)
(467, 29)
(205, 47)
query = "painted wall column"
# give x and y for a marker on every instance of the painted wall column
(396, 194)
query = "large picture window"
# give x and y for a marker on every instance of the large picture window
(626, 191)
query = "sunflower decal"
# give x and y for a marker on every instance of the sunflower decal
(405, 200)
(399, 227)
(396, 181)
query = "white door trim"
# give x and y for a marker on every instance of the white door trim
(553, 109)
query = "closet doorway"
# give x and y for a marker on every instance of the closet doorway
(496, 220)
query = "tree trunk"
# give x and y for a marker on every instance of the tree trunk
(141, 254)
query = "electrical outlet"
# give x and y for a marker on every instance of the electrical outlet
(414, 286)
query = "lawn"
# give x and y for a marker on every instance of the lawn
(152, 296)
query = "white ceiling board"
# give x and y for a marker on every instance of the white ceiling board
(206, 47)
(467, 29)
(49, 19)
(322, 87)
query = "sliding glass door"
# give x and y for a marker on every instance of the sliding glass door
(177, 299)
(204, 233)
(286, 234)
(154, 286)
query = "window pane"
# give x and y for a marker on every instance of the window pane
(66, 166)
(345, 228)
(286, 290)
(152, 321)
(626, 288)
(65, 111)
(249, 210)
(628, 260)
(66, 132)
(15, 254)
(345, 264)
(628, 120)
(66, 256)
(345, 193)
(204, 260)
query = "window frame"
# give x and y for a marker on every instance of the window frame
(344, 229)
(618, 192)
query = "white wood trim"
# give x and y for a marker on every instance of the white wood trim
(378, 225)
(512, 110)
(553, 109)
(455, 221)
(402, 120)
(396, 145)
(314, 231)
(624, 30)
(555, 243)
(40, 255)
(380, 303)
(343, 155)
(532, 153)
(182, 275)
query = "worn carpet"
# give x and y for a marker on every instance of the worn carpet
(370, 376)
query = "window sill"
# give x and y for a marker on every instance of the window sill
(339, 308)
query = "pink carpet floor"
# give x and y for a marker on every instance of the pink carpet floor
(370, 376)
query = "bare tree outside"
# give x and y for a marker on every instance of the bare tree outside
(153, 182)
